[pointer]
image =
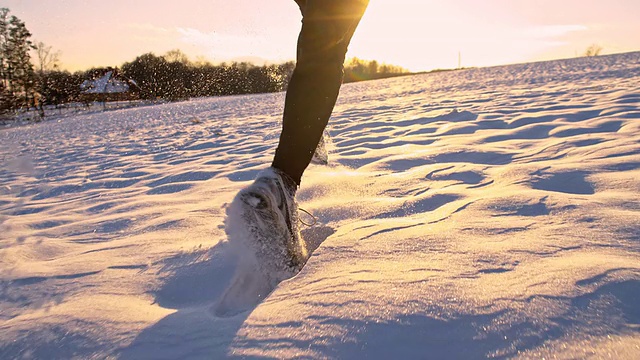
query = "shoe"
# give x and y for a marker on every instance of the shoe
(268, 224)
(262, 228)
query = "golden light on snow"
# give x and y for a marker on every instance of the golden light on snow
(468, 214)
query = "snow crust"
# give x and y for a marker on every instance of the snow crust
(482, 213)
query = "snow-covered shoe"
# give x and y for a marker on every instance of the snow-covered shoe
(262, 227)
(321, 155)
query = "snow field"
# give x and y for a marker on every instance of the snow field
(480, 213)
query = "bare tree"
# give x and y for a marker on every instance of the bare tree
(47, 59)
(176, 55)
(593, 50)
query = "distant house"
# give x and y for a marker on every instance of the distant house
(110, 86)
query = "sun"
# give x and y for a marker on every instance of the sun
(406, 32)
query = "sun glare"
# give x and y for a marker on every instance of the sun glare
(424, 35)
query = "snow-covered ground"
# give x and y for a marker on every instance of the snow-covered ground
(53, 113)
(485, 213)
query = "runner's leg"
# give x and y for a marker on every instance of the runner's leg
(327, 28)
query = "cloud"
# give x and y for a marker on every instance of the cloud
(148, 28)
(223, 47)
(223, 44)
(197, 37)
(150, 34)
(552, 31)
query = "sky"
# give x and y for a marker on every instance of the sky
(419, 35)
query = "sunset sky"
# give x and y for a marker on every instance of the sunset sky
(416, 34)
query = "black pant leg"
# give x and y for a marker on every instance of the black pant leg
(327, 28)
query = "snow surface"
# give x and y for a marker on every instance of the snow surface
(483, 213)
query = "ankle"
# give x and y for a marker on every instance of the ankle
(287, 180)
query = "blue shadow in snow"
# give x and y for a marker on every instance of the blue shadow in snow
(468, 336)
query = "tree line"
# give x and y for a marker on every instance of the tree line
(359, 70)
(171, 76)
(174, 77)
